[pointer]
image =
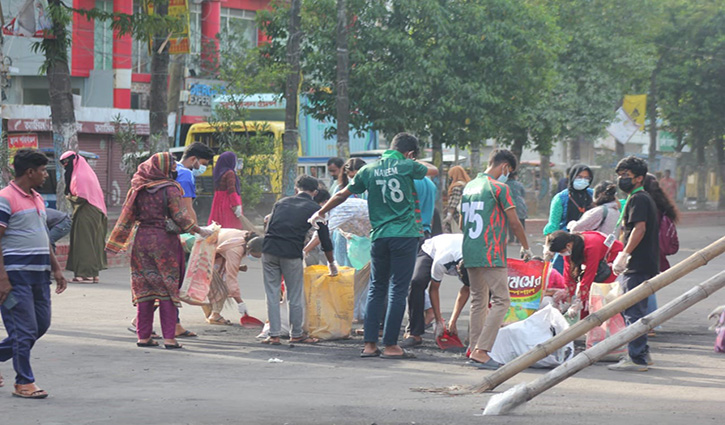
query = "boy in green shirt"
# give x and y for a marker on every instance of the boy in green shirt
(395, 234)
(487, 208)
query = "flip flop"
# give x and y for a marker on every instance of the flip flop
(306, 340)
(411, 342)
(83, 280)
(173, 346)
(187, 334)
(220, 321)
(37, 394)
(375, 353)
(149, 343)
(491, 364)
(269, 341)
(405, 355)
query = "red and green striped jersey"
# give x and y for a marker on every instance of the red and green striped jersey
(483, 207)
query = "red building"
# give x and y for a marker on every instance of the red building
(110, 75)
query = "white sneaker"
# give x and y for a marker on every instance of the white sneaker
(627, 365)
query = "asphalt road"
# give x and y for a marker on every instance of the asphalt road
(95, 374)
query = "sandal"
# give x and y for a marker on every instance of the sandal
(304, 340)
(219, 321)
(404, 355)
(173, 346)
(375, 353)
(187, 334)
(96, 279)
(270, 341)
(28, 393)
(149, 343)
(83, 280)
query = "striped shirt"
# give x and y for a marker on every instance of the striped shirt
(25, 245)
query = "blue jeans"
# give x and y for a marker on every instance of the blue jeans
(392, 265)
(60, 230)
(25, 324)
(638, 348)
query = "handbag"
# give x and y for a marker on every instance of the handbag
(604, 271)
(169, 225)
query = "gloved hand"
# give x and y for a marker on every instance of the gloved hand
(439, 328)
(574, 309)
(238, 211)
(526, 254)
(205, 231)
(333, 268)
(620, 263)
(315, 219)
(242, 307)
(570, 225)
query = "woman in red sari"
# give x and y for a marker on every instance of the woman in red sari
(157, 258)
(226, 208)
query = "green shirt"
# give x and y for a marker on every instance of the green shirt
(483, 207)
(391, 203)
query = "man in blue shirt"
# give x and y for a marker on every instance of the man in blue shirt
(426, 191)
(197, 157)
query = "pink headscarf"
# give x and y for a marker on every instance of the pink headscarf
(84, 182)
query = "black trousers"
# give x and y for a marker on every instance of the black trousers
(416, 298)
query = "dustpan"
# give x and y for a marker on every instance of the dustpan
(448, 341)
(248, 321)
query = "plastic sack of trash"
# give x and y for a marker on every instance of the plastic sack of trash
(526, 283)
(351, 217)
(329, 302)
(197, 280)
(520, 337)
(358, 251)
(187, 241)
(601, 294)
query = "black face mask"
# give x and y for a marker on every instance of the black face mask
(174, 174)
(625, 183)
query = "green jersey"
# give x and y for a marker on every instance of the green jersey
(391, 203)
(483, 207)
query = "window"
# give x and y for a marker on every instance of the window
(103, 38)
(141, 57)
(242, 21)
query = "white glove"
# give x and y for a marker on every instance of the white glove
(620, 263)
(575, 309)
(238, 211)
(333, 268)
(438, 328)
(526, 254)
(548, 255)
(315, 219)
(205, 231)
(242, 308)
(571, 225)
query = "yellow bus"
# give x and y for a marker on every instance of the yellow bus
(268, 177)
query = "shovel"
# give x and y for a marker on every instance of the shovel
(248, 321)
(448, 341)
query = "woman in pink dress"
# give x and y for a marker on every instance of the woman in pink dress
(226, 208)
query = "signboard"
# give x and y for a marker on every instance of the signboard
(82, 127)
(623, 127)
(179, 41)
(200, 98)
(21, 141)
(32, 20)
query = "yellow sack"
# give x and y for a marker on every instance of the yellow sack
(329, 302)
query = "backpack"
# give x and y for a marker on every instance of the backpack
(669, 242)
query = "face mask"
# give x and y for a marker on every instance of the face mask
(201, 170)
(174, 174)
(580, 184)
(565, 253)
(252, 258)
(625, 183)
(503, 178)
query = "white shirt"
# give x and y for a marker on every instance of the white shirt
(446, 250)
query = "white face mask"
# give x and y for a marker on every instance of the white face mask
(503, 178)
(565, 253)
(199, 171)
(252, 258)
